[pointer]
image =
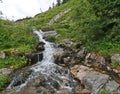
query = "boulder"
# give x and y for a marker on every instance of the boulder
(82, 53)
(79, 71)
(5, 71)
(2, 55)
(50, 33)
(98, 81)
(40, 46)
(94, 58)
(116, 58)
(34, 57)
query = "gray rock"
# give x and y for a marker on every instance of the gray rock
(95, 81)
(2, 55)
(82, 53)
(5, 71)
(116, 58)
(56, 17)
(49, 33)
(111, 86)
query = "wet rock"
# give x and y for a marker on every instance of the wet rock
(40, 46)
(19, 77)
(58, 56)
(34, 57)
(2, 55)
(116, 58)
(5, 71)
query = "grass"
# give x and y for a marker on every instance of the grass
(3, 81)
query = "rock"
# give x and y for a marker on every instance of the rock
(50, 33)
(85, 91)
(34, 57)
(79, 71)
(40, 46)
(111, 86)
(62, 91)
(82, 53)
(56, 17)
(2, 55)
(97, 82)
(5, 71)
(95, 58)
(68, 43)
(58, 56)
(116, 58)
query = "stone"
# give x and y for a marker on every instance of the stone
(68, 43)
(2, 55)
(5, 71)
(111, 86)
(85, 91)
(82, 53)
(116, 58)
(95, 81)
(50, 33)
(34, 57)
(40, 46)
(62, 91)
(79, 71)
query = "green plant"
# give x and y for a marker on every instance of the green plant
(51, 38)
(115, 63)
(105, 92)
(3, 81)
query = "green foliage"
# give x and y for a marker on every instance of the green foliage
(13, 62)
(3, 81)
(105, 92)
(51, 38)
(114, 64)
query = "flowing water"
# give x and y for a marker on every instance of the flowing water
(55, 77)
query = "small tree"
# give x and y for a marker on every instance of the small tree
(58, 2)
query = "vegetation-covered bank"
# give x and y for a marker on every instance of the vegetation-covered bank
(15, 40)
(95, 23)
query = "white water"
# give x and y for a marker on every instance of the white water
(48, 59)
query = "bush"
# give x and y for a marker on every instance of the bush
(51, 38)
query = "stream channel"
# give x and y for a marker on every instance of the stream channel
(49, 76)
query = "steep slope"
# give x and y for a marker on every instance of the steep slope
(96, 23)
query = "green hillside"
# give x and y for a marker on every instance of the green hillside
(95, 23)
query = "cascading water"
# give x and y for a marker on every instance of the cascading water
(55, 77)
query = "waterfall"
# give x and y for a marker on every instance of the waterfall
(45, 69)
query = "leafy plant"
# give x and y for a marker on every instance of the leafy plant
(105, 92)
(3, 81)
(51, 38)
(114, 64)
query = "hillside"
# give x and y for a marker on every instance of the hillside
(96, 23)
(93, 24)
